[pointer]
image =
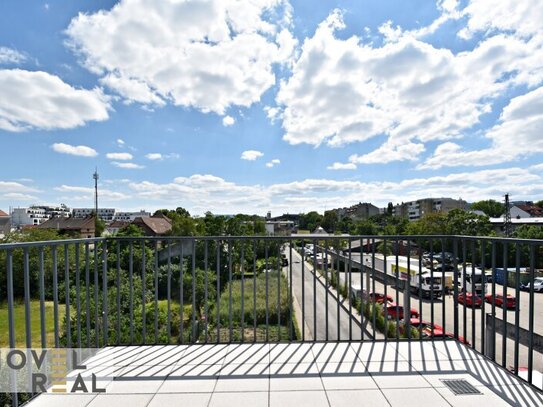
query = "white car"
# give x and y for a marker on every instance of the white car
(538, 285)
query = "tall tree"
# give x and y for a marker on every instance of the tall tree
(490, 207)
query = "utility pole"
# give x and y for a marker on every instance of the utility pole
(507, 217)
(95, 176)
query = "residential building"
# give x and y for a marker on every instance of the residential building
(74, 227)
(5, 223)
(105, 214)
(156, 225)
(37, 214)
(114, 227)
(414, 210)
(525, 210)
(360, 211)
(131, 216)
(279, 227)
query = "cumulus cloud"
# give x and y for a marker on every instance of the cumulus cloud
(39, 100)
(15, 191)
(518, 133)
(160, 156)
(228, 121)
(79, 193)
(120, 156)
(128, 166)
(345, 90)
(207, 55)
(342, 166)
(203, 192)
(82, 151)
(273, 162)
(120, 142)
(251, 155)
(11, 56)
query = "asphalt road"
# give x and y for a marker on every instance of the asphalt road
(333, 320)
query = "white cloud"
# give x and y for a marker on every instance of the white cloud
(160, 156)
(342, 166)
(518, 133)
(251, 155)
(153, 156)
(120, 156)
(15, 191)
(201, 193)
(273, 162)
(82, 151)
(128, 166)
(228, 121)
(16, 196)
(207, 55)
(120, 142)
(78, 193)
(345, 90)
(11, 56)
(38, 100)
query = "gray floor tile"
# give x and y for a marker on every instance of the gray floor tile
(55, 400)
(427, 397)
(253, 399)
(359, 398)
(132, 400)
(180, 399)
(298, 398)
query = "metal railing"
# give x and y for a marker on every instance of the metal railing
(168, 290)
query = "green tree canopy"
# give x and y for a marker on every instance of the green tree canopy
(490, 207)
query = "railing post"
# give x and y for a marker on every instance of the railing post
(104, 293)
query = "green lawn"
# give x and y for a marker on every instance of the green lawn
(20, 333)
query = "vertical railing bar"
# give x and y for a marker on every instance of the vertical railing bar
(432, 311)
(267, 291)
(531, 315)
(504, 311)
(279, 271)
(254, 290)
(194, 337)
(206, 282)
(42, 301)
(338, 285)
(11, 322)
(87, 293)
(315, 290)
(443, 296)
(143, 294)
(77, 295)
(181, 293)
(517, 308)
(55, 297)
(455, 287)
(407, 291)
(303, 290)
(67, 293)
(483, 314)
(105, 310)
(473, 294)
(242, 271)
(118, 283)
(155, 272)
(493, 353)
(363, 272)
(327, 287)
(464, 291)
(230, 327)
(406, 312)
(348, 282)
(218, 302)
(290, 302)
(169, 292)
(26, 281)
(373, 304)
(96, 324)
(385, 284)
(131, 289)
(420, 292)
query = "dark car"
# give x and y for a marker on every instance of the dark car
(284, 260)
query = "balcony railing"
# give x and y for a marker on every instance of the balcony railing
(91, 293)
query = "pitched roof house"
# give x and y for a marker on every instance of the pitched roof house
(156, 225)
(84, 228)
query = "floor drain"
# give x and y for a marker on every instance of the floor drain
(460, 386)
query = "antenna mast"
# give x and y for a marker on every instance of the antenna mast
(507, 217)
(95, 176)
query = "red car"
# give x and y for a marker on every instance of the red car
(469, 299)
(393, 310)
(510, 301)
(440, 334)
(380, 298)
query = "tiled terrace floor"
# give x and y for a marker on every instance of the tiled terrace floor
(283, 375)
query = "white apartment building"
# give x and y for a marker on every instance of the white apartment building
(105, 214)
(37, 214)
(130, 216)
(414, 210)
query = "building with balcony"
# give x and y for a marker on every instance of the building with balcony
(105, 214)
(414, 210)
(5, 223)
(131, 216)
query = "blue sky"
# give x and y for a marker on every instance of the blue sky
(274, 105)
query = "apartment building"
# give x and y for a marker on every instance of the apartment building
(105, 214)
(131, 216)
(37, 214)
(414, 210)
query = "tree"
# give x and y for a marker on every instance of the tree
(310, 220)
(539, 203)
(330, 221)
(461, 222)
(490, 207)
(390, 209)
(99, 227)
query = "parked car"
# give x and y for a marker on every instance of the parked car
(510, 301)
(441, 334)
(538, 285)
(469, 299)
(380, 298)
(394, 311)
